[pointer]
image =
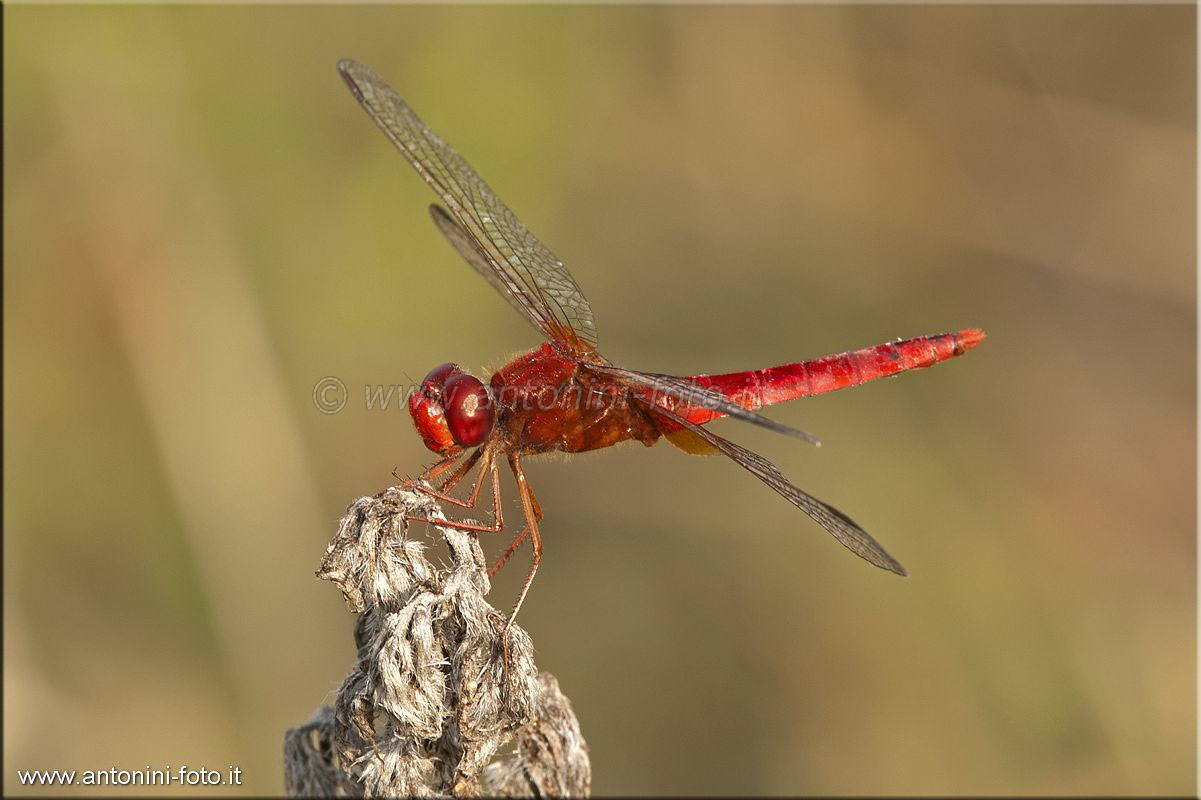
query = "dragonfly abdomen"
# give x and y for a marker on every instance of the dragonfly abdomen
(755, 389)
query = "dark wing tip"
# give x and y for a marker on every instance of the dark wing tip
(347, 67)
(863, 545)
(895, 567)
(854, 538)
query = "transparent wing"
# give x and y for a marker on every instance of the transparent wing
(840, 526)
(473, 255)
(522, 269)
(686, 392)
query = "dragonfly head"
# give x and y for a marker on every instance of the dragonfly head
(451, 409)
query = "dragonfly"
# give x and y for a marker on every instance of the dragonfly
(564, 396)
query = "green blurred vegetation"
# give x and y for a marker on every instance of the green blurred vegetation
(201, 223)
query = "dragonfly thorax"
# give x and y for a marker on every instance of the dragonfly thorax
(451, 409)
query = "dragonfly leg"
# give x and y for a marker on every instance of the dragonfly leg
(432, 472)
(420, 482)
(500, 562)
(517, 541)
(488, 468)
(453, 479)
(533, 513)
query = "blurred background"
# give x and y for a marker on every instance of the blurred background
(201, 223)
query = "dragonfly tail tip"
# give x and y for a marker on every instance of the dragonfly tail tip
(969, 338)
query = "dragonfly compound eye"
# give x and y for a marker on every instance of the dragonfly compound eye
(468, 409)
(428, 410)
(438, 376)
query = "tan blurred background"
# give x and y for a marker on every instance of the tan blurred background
(201, 223)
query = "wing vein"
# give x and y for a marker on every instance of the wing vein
(839, 525)
(517, 264)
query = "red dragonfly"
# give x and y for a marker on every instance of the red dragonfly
(564, 395)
